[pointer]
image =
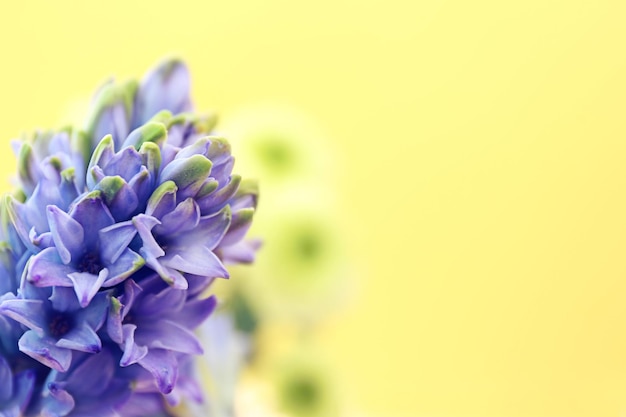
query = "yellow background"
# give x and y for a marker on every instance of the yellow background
(482, 184)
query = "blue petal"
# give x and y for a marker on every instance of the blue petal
(125, 163)
(132, 352)
(82, 381)
(142, 185)
(199, 147)
(63, 299)
(46, 269)
(168, 300)
(112, 118)
(6, 376)
(196, 312)
(144, 225)
(215, 201)
(165, 88)
(243, 252)
(27, 312)
(93, 215)
(196, 260)
(67, 234)
(115, 239)
(188, 174)
(169, 275)
(162, 200)
(96, 313)
(82, 338)
(100, 157)
(86, 285)
(165, 334)
(119, 197)
(239, 226)
(131, 292)
(24, 384)
(125, 265)
(45, 351)
(183, 218)
(209, 232)
(61, 402)
(162, 364)
(114, 321)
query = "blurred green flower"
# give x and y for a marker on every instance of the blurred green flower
(301, 270)
(280, 145)
(304, 387)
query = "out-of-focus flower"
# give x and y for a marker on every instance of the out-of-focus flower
(302, 272)
(221, 364)
(280, 145)
(304, 386)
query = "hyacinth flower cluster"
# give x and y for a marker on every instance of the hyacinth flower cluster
(107, 250)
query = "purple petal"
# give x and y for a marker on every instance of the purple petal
(115, 239)
(142, 185)
(144, 225)
(96, 313)
(112, 120)
(45, 351)
(209, 232)
(165, 88)
(118, 196)
(198, 285)
(199, 147)
(183, 218)
(216, 200)
(93, 215)
(239, 226)
(131, 292)
(82, 380)
(243, 252)
(126, 163)
(99, 158)
(82, 338)
(27, 312)
(222, 170)
(132, 352)
(188, 174)
(63, 299)
(62, 404)
(169, 299)
(127, 263)
(169, 275)
(114, 321)
(67, 234)
(6, 376)
(196, 312)
(46, 269)
(162, 364)
(196, 260)
(24, 383)
(166, 334)
(162, 200)
(86, 285)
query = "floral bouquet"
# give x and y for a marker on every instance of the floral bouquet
(109, 244)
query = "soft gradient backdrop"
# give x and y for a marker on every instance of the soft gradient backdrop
(481, 180)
